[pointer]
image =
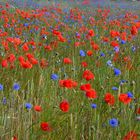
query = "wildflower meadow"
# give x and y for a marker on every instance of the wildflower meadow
(69, 70)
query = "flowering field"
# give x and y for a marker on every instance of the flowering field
(69, 71)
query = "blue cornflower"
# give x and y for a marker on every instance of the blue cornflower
(123, 81)
(114, 88)
(51, 27)
(113, 122)
(4, 100)
(82, 53)
(1, 87)
(28, 106)
(66, 10)
(16, 86)
(109, 63)
(123, 42)
(83, 16)
(102, 54)
(47, 13)
(93, 105)
(25, 24)
(33, 47)
(28, 19)
(54, 76)
(116, 49)
(130, 94)
(31, 31)
(76, 33)
(117, 72)
(133, 49)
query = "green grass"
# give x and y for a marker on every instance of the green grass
(81, 122)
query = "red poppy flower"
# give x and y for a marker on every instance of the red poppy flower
(4, 63)
(123, 36)
(11, 58)
(84, 64)
(21, 58)
(48, 47)
(134, 30)
(64, 106)
(43, 63)
(138, 110)
(37, 108)
(33, 61)
(131, 136)
(95, 47)
(126, 58)
(77, 44)
(88, 75)
(105, 39)
(55, 32)
(109, 99)
(114, 33)
(45, 126)
(124, 98)
(14, 138)
(91, 33)
(85, 87)
(32, 43)
(89, 52)
(26, 64)
(137, 24)
(61, 38)
(25, 47)
(67, 61)
(5, 45)
(68, 83)
(114, 44)
(29, 56)
(92, 42)
(7, 5)
(91, 94)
